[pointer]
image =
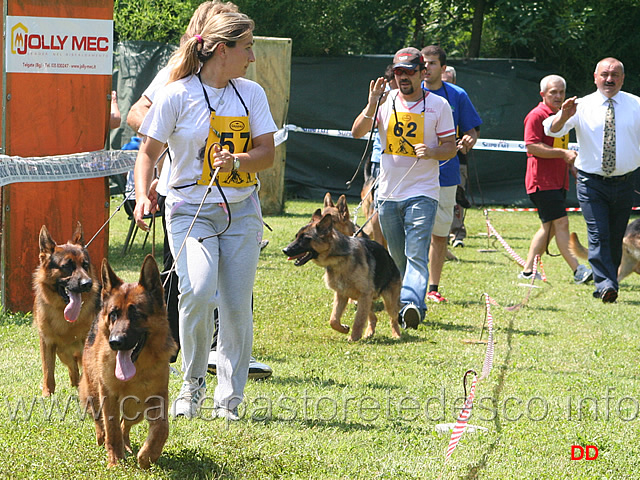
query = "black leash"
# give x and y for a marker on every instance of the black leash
(366, 148)
(127, 197)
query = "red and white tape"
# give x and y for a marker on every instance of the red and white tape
(461, 423)
(488, 357)
(506, 246)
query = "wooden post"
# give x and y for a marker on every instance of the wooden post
(55, 107)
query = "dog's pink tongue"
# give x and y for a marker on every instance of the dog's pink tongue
(125, 369)
(72, 310)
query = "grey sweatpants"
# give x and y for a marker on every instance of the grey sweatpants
(219, 272)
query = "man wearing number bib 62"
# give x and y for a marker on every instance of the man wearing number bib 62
(417, 130)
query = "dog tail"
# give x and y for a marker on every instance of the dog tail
(576, 248)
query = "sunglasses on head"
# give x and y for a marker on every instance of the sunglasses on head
(404, 71)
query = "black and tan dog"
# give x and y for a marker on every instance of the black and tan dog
(125, 375)
(66, 302)
(630, 249)
(356, 268)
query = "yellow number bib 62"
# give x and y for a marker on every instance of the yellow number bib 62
(407, 131)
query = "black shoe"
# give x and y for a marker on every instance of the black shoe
(409, 317)
(609, 295)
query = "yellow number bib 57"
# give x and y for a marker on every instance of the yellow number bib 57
(232, 133)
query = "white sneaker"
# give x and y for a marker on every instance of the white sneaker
(527, 276)
(189, 399)
(583, 274)
(229, 415)
(257, 370)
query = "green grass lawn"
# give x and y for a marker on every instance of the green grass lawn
(565, 373)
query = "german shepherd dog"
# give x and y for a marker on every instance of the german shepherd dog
(630, 249)
(126, 364)
(67, 299)
(356, 268)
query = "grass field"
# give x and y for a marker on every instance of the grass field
(565, 373)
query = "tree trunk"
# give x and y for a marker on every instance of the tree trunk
(476, 28)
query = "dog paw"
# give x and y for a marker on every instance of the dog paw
(144, 461)
(339, 327)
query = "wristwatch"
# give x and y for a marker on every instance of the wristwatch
(236, 164)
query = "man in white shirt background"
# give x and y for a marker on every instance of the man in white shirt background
(607, 124)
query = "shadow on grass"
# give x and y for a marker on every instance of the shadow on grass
(451, 327)
(313, 381)
(345, 426)
(318, 382)
(191, 463)
(533, 333)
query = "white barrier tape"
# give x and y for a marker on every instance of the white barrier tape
(57, 168)
(280, 136)
(481, 144)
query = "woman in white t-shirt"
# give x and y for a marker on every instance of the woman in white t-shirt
(211, 118)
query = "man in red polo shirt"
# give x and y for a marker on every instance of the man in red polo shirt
(547, 179)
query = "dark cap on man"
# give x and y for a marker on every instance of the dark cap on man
(409, 58)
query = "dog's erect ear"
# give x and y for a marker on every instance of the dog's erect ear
(317, 215)
(109, 279)
(150, 279)
(328, 202)
(342, 207)
(78, 235)
(47, 244)
(325, 225)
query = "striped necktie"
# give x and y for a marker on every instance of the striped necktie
(609, 143)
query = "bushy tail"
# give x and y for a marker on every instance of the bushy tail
(576, 248)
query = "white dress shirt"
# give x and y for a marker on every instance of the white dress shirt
(589, 124)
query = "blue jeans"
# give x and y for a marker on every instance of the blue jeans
(606, 206)
(407, 226)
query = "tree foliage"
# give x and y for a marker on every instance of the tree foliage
(568, 35)
(153, 20)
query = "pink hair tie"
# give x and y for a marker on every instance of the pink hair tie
(199, 38)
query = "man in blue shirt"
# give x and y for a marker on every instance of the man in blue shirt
(467, 122)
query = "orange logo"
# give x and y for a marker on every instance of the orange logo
(18, 39)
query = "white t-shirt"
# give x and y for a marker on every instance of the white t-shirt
(424, 178)
(160, 80)
(179, 116)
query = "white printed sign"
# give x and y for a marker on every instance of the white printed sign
(59, 45)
